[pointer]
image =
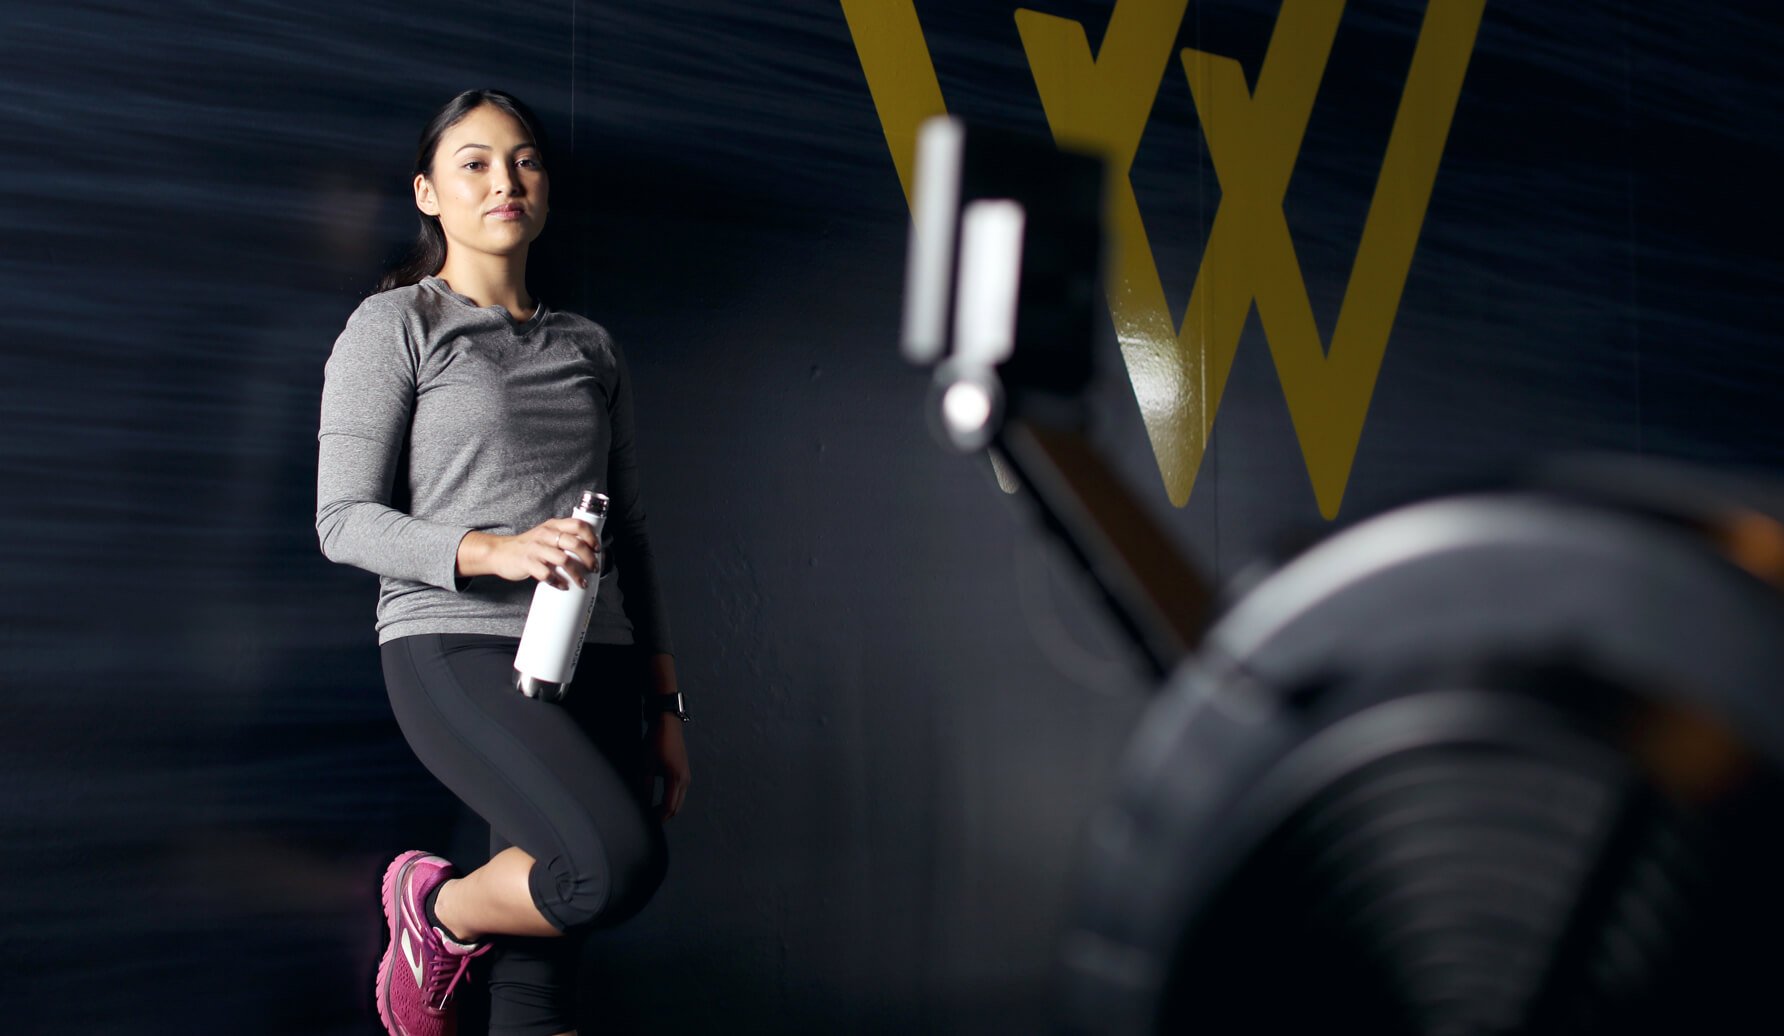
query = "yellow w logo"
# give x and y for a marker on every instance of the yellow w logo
(1254, 136)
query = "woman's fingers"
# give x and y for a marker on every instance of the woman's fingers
(575, 537)
(569, 562)
(587, 558)
(545, 573)
(675, 790)
(571, 528)
(548, 559)
(555, 547)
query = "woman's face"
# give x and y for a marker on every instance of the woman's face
(488, 186)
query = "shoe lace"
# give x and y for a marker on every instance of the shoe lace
(442, 978)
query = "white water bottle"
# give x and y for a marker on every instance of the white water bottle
(558, 619)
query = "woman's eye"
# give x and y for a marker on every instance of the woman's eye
(531, 163)
(473, 165)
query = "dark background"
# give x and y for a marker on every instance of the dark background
(906, 706)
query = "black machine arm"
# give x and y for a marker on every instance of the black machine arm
(1005, 269)
(1156, 595)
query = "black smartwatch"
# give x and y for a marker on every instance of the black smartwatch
(670, 703)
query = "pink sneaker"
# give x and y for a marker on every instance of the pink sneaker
(422, 1007)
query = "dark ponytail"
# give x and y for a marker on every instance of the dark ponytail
(429, 251)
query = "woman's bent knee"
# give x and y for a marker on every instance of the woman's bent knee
(599, 891)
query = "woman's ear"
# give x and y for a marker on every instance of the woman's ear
(424, 195)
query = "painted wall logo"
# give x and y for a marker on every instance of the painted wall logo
(1254, 137)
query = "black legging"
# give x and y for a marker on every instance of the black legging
(563, 782)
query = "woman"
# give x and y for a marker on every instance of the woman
(460, 420)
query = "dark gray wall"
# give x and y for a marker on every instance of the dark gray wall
(906, 709)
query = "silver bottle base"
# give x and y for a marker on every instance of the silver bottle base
(533, 687)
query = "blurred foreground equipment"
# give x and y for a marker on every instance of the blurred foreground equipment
(1510, 762)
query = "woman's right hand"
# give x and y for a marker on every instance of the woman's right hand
(535, 553)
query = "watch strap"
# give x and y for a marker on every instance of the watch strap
(670, 703)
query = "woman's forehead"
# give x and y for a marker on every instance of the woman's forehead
(489, 126)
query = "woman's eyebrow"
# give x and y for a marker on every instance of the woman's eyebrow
(486, 147)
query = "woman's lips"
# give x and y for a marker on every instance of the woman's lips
(507, 213)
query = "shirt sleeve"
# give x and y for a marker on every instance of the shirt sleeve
(368, 399)
(636, 564)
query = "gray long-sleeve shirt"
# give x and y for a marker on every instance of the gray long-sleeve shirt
(440, 417)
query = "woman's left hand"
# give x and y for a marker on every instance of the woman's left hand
(668, 757)
(666, 752)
